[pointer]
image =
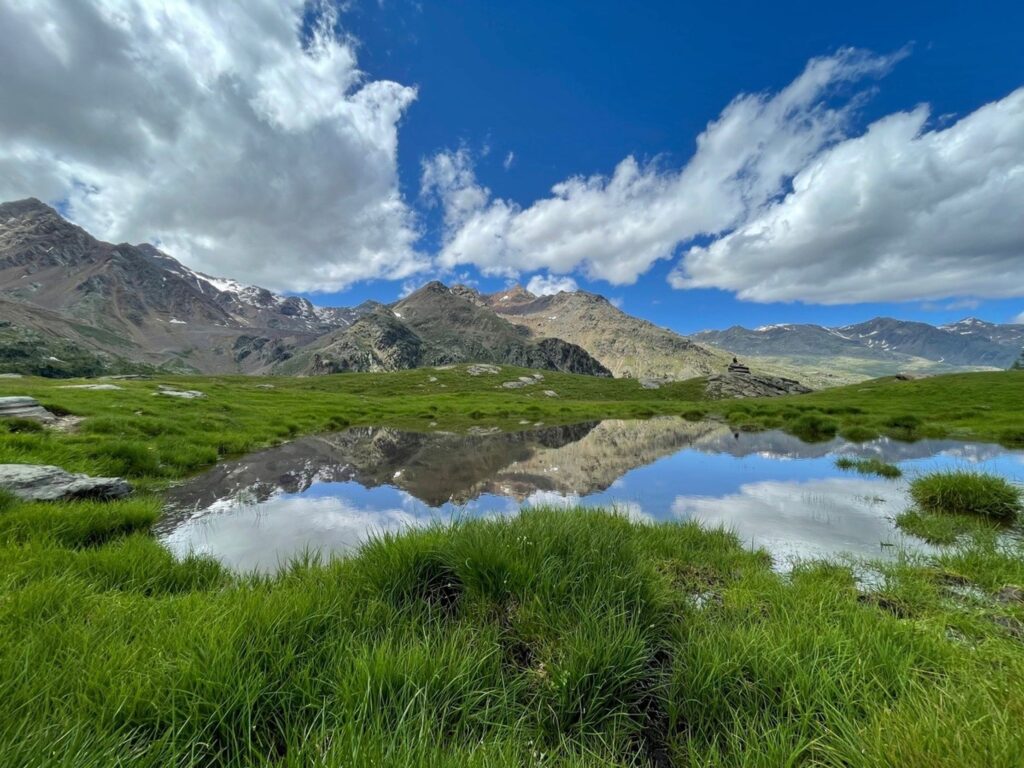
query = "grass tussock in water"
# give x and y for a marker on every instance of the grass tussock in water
(870, 466)
(556, 637)
(944, 528)
(966, 492)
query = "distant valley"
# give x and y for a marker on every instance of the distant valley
(878, 347)
(72, 305)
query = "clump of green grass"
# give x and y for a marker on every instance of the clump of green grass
(940, 529)
(906, 422)
(23, 425)
(814, 427)
(965, 492)
(857, 433)
(1012, 438)
(871, 466)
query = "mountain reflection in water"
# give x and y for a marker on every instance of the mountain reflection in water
(329, 492)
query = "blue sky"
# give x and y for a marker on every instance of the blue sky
(854, 160)
(573, 87)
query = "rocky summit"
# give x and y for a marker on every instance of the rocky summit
(628, 346)
(73, 305)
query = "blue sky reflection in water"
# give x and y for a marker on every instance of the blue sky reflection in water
(326, 494)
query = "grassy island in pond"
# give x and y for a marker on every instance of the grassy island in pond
(554, 637)
(869, 467)
(964, 492)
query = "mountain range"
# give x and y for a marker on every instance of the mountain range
(72, 305)
(877, 347)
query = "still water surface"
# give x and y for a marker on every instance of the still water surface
(328, 493)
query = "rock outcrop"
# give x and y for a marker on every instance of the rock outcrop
(182, 394)
(39, 482)
(24, 407)
(732, 384)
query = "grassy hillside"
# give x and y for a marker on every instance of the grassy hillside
(144, 436)
(556, 637)
(839, 370)
(985, 406)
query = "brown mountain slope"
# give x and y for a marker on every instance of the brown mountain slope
(628, 346)
(137, 303)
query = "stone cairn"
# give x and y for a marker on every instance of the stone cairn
(737, 367)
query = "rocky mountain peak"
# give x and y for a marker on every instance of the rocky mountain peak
(512, 296)
(28, 207)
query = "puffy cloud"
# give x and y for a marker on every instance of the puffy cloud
(548, 285)
(448, 178)
(615, 227)
(898, 213)
(211, 128)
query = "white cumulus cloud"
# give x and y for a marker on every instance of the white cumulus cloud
(548, 285)
(615, 227)
(211, 128)
(899, 213)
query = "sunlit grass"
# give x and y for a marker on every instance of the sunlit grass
(967, 492)
(569, 634)
(554, 637)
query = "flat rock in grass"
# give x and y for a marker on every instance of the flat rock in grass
(24, 407)
(650, 384)
(1013, 626)
(10, 376)
(93, 387)
(483, 369)
(184, 394)
(1011, 593)
(514, 384)
(40, 482)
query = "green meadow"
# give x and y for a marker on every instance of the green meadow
(570, 638)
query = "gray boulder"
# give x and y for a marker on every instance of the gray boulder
(24, 407)
(93, 387)
(39, 482)
(184, 394)
(483, 369)
(734, 384)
